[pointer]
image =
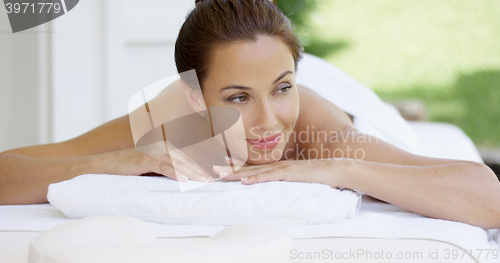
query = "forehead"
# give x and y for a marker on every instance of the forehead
(250, 61)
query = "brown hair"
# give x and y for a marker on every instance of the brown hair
(214, 22)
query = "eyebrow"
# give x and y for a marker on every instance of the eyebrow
(247, 88)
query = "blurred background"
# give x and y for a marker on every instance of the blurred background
(435, 60)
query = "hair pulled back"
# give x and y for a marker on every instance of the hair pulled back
(214, 22)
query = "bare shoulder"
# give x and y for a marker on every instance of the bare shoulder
(319, 112)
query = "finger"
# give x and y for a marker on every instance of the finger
(192, 174)
(186, 170)
(166, 168)
(184, 165)
(243, 168)
(248, 172)
(159, 167)
(181, 174)
(224, 171)
(180, 156)
(265, 176)
(182, 170)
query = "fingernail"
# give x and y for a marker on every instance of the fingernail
(216, 167)
(182, 177)
(223, 174)
(207, 179)
(244, 178)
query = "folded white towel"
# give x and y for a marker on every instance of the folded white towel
(158, 199)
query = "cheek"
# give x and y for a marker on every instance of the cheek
(286, 111)
(289, 110)
(248, 116)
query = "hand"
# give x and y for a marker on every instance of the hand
(323, 171)
(153, 159)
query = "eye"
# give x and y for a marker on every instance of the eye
(285, 89)
(238, 99)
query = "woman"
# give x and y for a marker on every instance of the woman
(245, 56)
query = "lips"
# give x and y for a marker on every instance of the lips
(266, 143)
(270, 138)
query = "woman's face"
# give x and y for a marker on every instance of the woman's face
(258, 79)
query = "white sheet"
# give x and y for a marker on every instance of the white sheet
(375, 220)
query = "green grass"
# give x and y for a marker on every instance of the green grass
(446, 53)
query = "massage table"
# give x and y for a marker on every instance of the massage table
(21, 225)
(378, 231)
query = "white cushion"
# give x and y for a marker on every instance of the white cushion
(125, 239)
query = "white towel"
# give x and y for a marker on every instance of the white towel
(494, 236)
(158, 199)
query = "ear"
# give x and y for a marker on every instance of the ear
(194, 97)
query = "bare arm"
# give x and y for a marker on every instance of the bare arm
(462, 191)
(25, 173)
(111, 136)
(456, 190)
(24, 179)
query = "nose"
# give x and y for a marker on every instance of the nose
(266, 118)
